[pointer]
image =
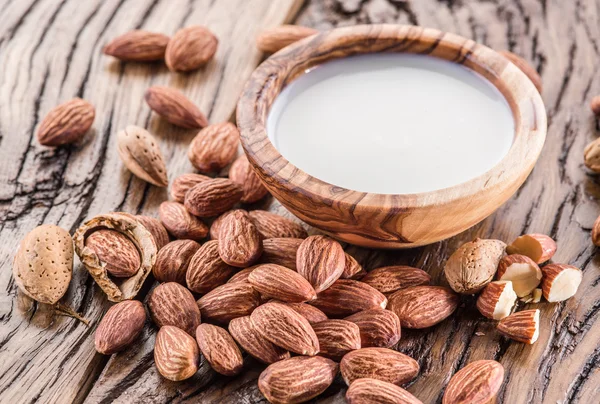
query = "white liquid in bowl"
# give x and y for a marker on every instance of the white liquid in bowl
(391, 123)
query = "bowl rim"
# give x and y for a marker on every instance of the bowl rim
(281, 68)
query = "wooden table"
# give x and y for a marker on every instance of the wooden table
(50, 51)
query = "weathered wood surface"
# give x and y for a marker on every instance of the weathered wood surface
(50, 51)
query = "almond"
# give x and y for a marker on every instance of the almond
(352, 269)
(297, 379)
(273, 39)
(560, 282)
(121, 325)
(366, 390)
(591, 159)
(270, 225)
(285, 328)
(378, 327)
(155, 227)
(396, 277)
(206, 269)
(138, 46)
(184, 183)
(173, 260)
(215, 227)
(473, 265)
(311, 313)
(117, 252)
(525, 67)
(179, 223)
(241, 173)
(336, 338)
(242, 276)
(538, 247)
(537, 294)
(522, 271)
(175, 354)
(595, 105)
(190, 48)
(321, 260)
(281, 283)
(476, 383)
(240, 244)
(212, 197)
(378, 363)
(244, 332)
(522, 326)
(66, 123)
(140, 153)
(346, 297)
(423, 306)
(175, 107)
(280, 251)
(214, 147)
(172, 304)
(219, 349)
(229, 301)
(497, 300)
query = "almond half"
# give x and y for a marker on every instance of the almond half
(522, 326)
(522, 271)
(538, 247)
(560, 281)
(497, 300)
(476, 383)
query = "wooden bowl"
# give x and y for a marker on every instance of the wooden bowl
(378, 220)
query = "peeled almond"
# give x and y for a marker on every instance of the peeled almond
(497, 300)
(522, 271)
(538, 247)
(522, 326)
(560, 281)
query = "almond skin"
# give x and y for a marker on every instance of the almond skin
(525, 67)
(281, 283)
(66, 123)
(241, 173)
(155, 227)
(114, 249)
(120, 326)
(476, 383)
(352, 269)
(184, 183)
(246, 335)
(378, 327)
(212, 197)
(229, 301)
(280, 251)
(172, 304)
(378, 363)
(363, 391)
(180, 223)
(206, 269)
(240, 244)
(141, 155)
(392, 278)
(138, 46)
(336, 338)
(297, 379)
(214, 147)
(173, 259)
(423, 306)
(522, 326)
(285, 328)
(273, 39)
(311, 313)
(219, 349)
(190, 48)
(321, 260)
(346, 297)
(270, 225)
(175, 107)
(176, 354)
(560, 282)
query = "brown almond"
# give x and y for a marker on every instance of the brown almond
(280, 251)
(240, 244)
(378, 363)
(378, 327)
(184, 183)
(281, 283)
(595, 105)
(270, 225)
(285, 328)
(311, 313)
(190, 48)
(241, 173)
(244, 332)
(366, 390)
(522, 271)
(336, 338)
(321, 260)
(525, 67)
(352, 268)
(173, 260)
(346, 297)
(116, 251)
(215, 227)
(560, 282)
(242, 276)
(497, 300)
(214, 147)
(175, 107)
(522, 326)
(141, 155)
(138, 46)
(219, 349)
(276, 38)
(229, 301)
(172, 304)
(155, 227)
(423, 306)
(206, 269)
(392, 278)
(539, 247)
(66, 123)
(478, 382)
(212, 197)
(180, 223)
(296, 380)
(120, 326)
(176, 354)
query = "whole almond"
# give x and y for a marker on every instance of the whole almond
(140, 153)
(138, 46)
(321, 260)
(241, 173)
(173, 260)
(180, 223)
(240, 244)
(242, 276)
(190, 48)
(522, 326)
(273, 39)
(219, 349)
(155, 227)
(378, 363)
(184, 183)
(172, 304)
(66, 123)
(311, 313)
(392, 278)
(476, 383)
(212, 197)
(176, 354)
(525, 67)
(175, 107)
(120, 256)
(285, 328)
(352, 268)
(368, 390)
(346, 297)
(378, 327)
(270, 225)
(423, 306)
(229, 301)
(206, 269)
(296, 380)
(251, 341)
(214, 147)
(120, 326)
(215, 227)
(336, 338)
(281, 283)
(280, 251)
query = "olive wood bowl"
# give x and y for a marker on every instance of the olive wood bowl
(378, 220)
